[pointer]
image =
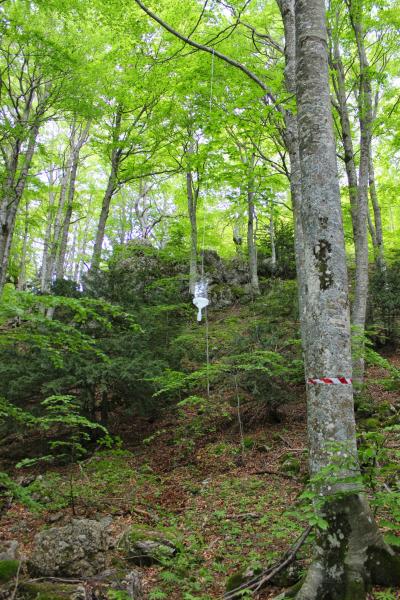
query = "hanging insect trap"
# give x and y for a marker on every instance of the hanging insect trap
(200, 299)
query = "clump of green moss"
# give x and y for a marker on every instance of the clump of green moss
(234, 581)
(8, 569)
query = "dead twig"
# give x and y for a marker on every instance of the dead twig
(14, 592)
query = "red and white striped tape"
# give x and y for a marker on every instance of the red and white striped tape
(331, 380)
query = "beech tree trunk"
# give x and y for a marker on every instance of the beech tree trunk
(112, 186)
(272, 235)
(377, 238)
(76, 147)
(44, 274)
(57, 225)
(251, 238)
(22, 265)
(350, 554)
(359, 310)
(291, 139)
(12, 190)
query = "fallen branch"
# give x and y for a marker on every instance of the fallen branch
(256, 583)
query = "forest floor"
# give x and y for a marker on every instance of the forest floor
(229, 506)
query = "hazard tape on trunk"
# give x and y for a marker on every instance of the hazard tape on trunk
(331, 381)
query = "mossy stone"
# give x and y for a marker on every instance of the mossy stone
(8, 570)
(46, 591)
(234, 581)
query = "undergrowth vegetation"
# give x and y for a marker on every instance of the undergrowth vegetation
(120, 413)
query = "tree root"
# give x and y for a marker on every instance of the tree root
(350, 556)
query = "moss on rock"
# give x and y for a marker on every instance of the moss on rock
(8, 570)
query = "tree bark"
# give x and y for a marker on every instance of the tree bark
(359, 310)
(58, 221)
(47, 243)
(378, 244)
(112, 186)
(22, 265)
(13, 190)
(251, 241)
(347, 553)
(76, 147)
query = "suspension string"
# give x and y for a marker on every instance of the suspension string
(206, 189)
(207, 355)
(204, 231)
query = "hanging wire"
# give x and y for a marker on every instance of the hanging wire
(206, 190)
(204, 230)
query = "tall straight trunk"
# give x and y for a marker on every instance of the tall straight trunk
(15, 182)
(58, 223)
(70, 258)
(365, 109)
(291, 140)
(76, 146)
(251, 241)
(347, 140)
(111, 188)
(192, 197)
(22, 265)
(272, 235)
(105, 210)
(379, 251)
(77, 276)
(350, 552)
(44, 273)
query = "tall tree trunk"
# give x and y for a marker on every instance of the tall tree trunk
(112, 186)
(347, 141)
(45, 274)
(58, 223)
(76, 146)
(350, 552)
(105, 210)
(22, 265)
(291, 140)
(272, 235)
(13, 190)
(378, 230)
(365, 109)
(251, 241)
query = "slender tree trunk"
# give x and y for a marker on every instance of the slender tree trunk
(58, 224)
(291, 139)
(349, 157)
(237, 237)
(112, 186)
(44, 275)
(251, 241)
(272, 235)
(105, 210)
(365, 109)
(12, 193)
(76, 147)
(22, 265)
(348, 553)
(378, 230)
